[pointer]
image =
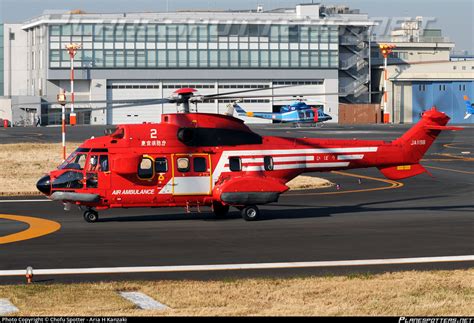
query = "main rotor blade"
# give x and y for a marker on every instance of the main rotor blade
(130, 101)
(274, 95)
(252, 90)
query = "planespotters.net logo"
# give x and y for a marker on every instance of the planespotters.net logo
(404, 319)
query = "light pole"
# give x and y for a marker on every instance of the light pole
(62, 101)
(72, 49)
(385, 49)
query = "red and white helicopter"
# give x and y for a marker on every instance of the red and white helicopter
(192, 159)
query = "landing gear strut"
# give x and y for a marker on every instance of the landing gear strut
(91, 216)
(250, 213)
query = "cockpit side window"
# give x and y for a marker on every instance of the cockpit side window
(77, 160)
(70, 179)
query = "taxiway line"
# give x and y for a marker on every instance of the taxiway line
(250, 266)
(22, 201)
(450, 170)
(393, 185)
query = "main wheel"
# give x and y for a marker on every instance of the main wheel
(220, 210)
(91, 216)
(250, 213)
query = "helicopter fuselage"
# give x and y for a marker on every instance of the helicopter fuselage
(193, 160)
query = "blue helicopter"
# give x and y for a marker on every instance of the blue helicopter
(297, 112)
(469, 108)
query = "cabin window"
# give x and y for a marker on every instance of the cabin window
(308, 114)
(199, 164)
(301, 114)
(103, 163)
(235, 164)
(161, 165)
(183, 164)
(268, 162)
(145, 168)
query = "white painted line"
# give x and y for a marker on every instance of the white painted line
(143, 301)
(275, 265)
(22, 201)
(6, 307)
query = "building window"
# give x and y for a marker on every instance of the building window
(195, 45)
(314, 58)
(324, 59)
(109, 58)
(193, 58)
(203, 58)
(141, 58)
(54, 31)
(203, 33)
(314, 35)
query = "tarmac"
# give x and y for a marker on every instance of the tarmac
(368, 218)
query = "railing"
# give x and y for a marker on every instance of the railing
(410, 39)
(361, 79)
(347, 63)
(353, 60)
(353, 88)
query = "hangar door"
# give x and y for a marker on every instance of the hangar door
(117, 90)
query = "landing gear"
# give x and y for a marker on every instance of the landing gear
(250, 213)
(220, 210)
(91, 216)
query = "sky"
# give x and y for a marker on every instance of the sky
(454, 17)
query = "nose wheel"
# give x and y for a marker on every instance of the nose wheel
(250, 213)
(91, 216)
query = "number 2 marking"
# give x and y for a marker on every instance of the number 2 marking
(153, 133)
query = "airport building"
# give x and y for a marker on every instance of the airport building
(322, 49)
(421, 74)
(317, 48)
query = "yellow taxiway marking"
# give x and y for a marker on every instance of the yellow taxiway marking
(454, 147)
(393, 185)
(465, 158)
(450, 170)
(37, 228)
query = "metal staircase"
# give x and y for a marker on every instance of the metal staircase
(354, 63)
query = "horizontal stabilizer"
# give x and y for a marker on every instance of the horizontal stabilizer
(402, 171)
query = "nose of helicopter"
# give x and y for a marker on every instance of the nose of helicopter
(44, 185)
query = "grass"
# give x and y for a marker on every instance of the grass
(411, 293)
(23, 164)
(304, 182)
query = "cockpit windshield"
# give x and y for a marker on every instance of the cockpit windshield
(77, 160)
(116, 133)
